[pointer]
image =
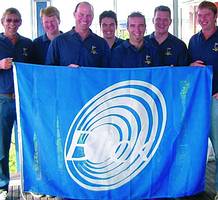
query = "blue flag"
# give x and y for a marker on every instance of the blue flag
(113, 134)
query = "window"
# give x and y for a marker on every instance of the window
(39, 5)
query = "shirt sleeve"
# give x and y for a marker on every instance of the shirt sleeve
(183, 56)
(106, 56)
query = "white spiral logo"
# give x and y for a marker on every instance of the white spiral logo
(115, 135)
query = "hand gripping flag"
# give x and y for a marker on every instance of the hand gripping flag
(113, 134)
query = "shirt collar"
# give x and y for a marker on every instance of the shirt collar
(215, 34)
(2, 36)
(152, 36)
(127, 44)
(45, 38)
(73, 32)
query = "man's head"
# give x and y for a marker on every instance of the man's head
(50, 20)
(108, 23)
(207, 15)
(11, 21)
(136, 27)
(162, 19)
(84, 14)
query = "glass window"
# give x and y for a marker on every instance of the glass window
(39, 6)
(145, 7)
(122, 7)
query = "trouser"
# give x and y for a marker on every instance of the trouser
(7, 119)
(214, 134)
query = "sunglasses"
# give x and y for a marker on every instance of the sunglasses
(15, 21)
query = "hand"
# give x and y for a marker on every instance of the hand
(73, 65)
(6, 63)
(216, 96)
(198, 63)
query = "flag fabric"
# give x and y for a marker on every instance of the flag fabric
(113, 134)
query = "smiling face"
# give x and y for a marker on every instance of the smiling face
(50, 24)
(83, 16)
(11, 23)
(162, 21)
(136, 28)
(206, 19)
(108, 27)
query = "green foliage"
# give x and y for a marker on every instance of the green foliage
(123, 34)
(12, 157)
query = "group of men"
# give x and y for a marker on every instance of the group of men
(81, 47)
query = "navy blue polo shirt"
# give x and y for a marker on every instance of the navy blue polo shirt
(69, 48)
(173, 51)
(206, 50)
(116, 43)
(40, 48)
(126, 55)
(20, 52)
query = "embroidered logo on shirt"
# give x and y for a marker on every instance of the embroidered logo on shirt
(93, 51)
(215, 48)
(168, 52)
(25, 50)
(147, 59)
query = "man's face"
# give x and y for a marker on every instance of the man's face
(108, 27)
(83, 16)
(136, 28)
(11, 23)
(206, 19)
(50, 24)
(162, 22)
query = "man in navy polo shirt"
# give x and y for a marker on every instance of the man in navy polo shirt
(173, 51)
(135, 51)
(80, 46)
(50, 21)
(108, 25)
(13, 47)
(203, 50)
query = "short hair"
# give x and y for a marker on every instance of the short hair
(209, 5)
(11, 11)
(135, 14)
(162, 8)
(84, 2)
(50, 11)
(108, 13)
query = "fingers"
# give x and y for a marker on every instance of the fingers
(198, 63)
(216, 95)
(73, 65)
(6, 63)
(9, 62)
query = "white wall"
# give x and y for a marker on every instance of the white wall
(66, 8)
(146, 7)
(124, 8)
(24, 6)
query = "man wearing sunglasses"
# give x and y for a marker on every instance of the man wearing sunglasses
(13, 47)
